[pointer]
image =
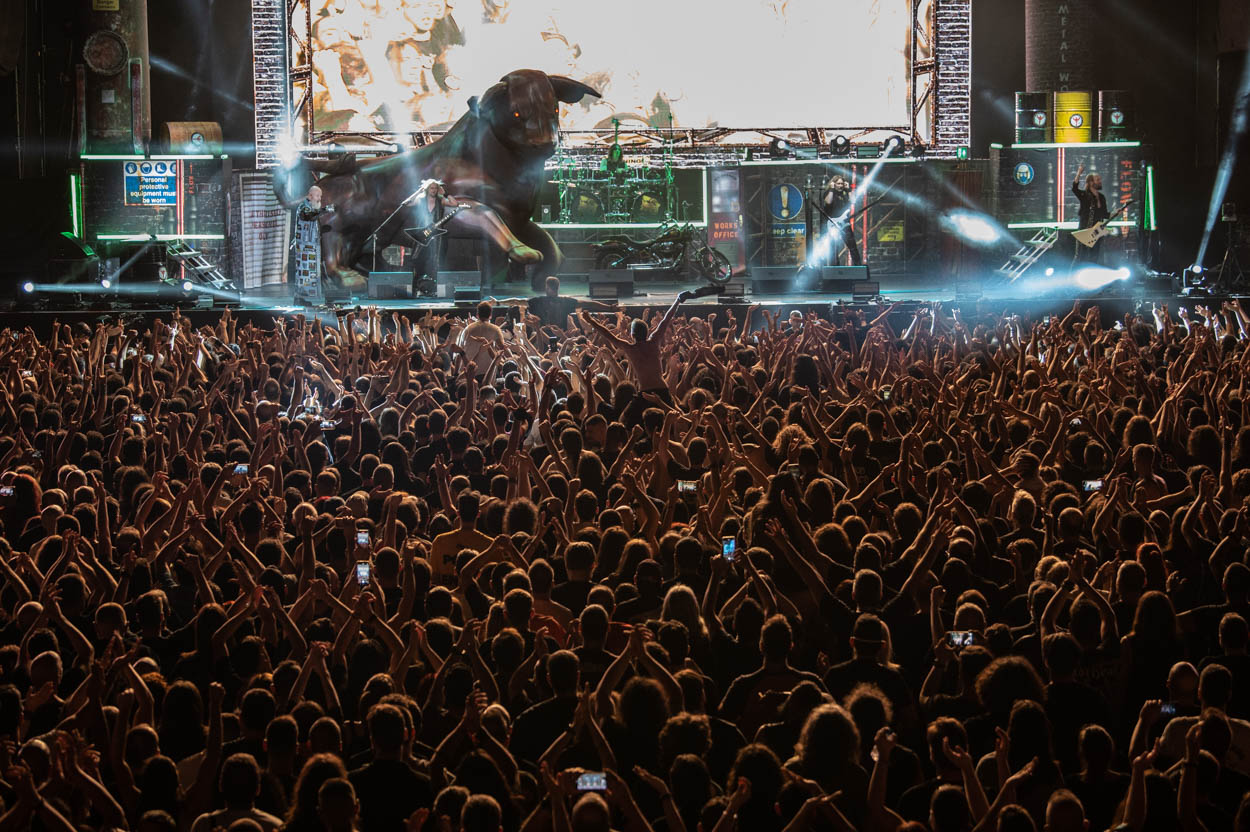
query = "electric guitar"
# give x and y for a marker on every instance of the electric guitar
(1088, 237)
(422, 236)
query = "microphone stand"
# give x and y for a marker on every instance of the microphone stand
(407, 200)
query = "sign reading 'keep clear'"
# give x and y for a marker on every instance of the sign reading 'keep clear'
(152, 184)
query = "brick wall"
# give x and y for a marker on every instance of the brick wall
(953, 84)
(1060, 46)
(270, 80)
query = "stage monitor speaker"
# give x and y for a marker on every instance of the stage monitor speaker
(467, 295)
(773, 280)
(450, 282)
(390, 285)
(611, 283)
(841, 280)
(735, 291)
(865, 290)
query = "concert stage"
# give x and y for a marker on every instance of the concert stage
(909, 293)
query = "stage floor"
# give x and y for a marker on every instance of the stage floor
(902, 289)
(1027, 299)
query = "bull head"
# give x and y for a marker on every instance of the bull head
(522, 110)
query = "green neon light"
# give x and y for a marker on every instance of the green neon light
(1067, 226)
(73, 204)
(1055, 145)
(144, 238)
(1151, 223)
(69, 235)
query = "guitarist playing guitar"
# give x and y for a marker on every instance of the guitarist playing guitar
(434, 208)
(1093, 211)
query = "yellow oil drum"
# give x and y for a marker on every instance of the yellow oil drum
(1074, 116)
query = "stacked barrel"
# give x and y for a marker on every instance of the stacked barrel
(1074, 116)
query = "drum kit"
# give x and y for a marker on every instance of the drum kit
(590, 197)
(615, 192)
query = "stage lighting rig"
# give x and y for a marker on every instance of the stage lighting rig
(840, 146)
(918, 150)
(779, 149)
(894, 146)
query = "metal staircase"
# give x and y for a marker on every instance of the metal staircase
(1028, 255)
(197, 268)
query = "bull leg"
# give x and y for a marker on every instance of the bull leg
(339, 253)
(486, 222)
(530, 233)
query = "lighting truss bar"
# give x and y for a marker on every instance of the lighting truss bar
(1074, 145)
(606, 225)
(161, 238)
(132, 157)
(838, 160)
(1067, 226)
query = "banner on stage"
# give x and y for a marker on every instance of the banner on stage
(150, 184)
(724, 230)
(264, 228)
(890, 232)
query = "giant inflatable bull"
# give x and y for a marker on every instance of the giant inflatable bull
(491, 159)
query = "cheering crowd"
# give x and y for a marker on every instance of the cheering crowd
(550, 570)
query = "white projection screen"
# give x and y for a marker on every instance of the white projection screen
(384, 66)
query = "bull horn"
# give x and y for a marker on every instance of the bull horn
(570, 91)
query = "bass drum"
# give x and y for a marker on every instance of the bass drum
(646, 206)
(587, 206)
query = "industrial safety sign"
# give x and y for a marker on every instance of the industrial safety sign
(151, 184)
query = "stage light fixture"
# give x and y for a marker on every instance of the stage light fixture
(840, 146)
(894, 146)
(106, 283)
(1050, 270)
(779, 149)
(28, 287)
(187, 286)
(918, 150)
(1196, 268)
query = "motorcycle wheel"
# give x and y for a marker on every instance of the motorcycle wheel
(712, 265)
(611, 260)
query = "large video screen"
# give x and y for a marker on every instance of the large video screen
(409, 65)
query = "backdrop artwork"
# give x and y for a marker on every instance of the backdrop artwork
(393, 66)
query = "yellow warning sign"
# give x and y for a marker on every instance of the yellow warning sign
(104, 5)
(890, 232)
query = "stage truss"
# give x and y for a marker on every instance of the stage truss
(939, 92)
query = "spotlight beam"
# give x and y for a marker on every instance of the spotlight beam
(1228, 160)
